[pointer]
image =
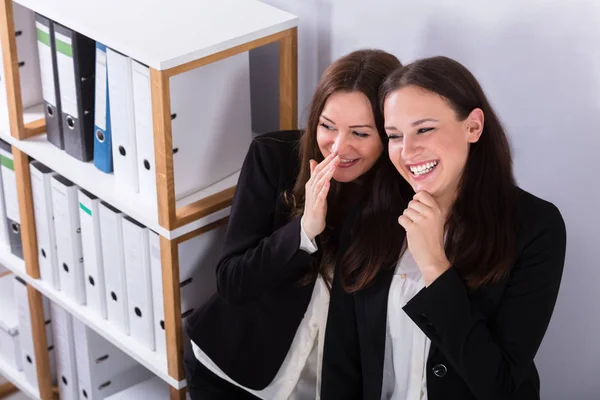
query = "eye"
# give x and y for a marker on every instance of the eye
(328, 127)
(424, 130)
(360, 134)
(394, 136)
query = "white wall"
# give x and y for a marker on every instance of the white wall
(539, 63)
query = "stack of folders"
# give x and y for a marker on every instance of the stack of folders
(88, 366)
(28, 359)
(104, 259)
(98, 106)
(10, 220)
(151, 389)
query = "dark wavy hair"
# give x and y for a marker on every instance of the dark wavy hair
(481, 227)
(360, 71)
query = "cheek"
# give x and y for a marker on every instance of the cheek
(324, 140)
(373, 151)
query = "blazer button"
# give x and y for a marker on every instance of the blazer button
(440, 370)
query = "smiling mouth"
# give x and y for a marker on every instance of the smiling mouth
(423, 169)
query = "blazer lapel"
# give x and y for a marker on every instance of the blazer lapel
(371, 315)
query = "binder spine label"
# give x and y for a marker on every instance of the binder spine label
(45, 53)
(66, 73)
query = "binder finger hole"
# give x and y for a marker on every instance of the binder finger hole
(122, 150)
(101, 359)
(43, 253)
(84, 393)
(162, 325)
(71, 122)
(65, 267)
(100, 136)
(50, 110)
(15, 227)
(113, 296)
(138, 312)
(64, 380)
(104, 385)
(29, 360)
(147, 165)
(92, 282)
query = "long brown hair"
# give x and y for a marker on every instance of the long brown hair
(360, 71)
(481, 227)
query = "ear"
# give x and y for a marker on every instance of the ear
(474, 125)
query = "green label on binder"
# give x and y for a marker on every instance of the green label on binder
(84, 208)
(64, 48)
(43, 37)
(7, 162)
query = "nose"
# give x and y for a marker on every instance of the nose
(341, 143)
(410, 148)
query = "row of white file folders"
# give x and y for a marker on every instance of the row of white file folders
(102, 258)
(98, 106)
(84, 365)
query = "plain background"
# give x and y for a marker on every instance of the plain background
(539, 63)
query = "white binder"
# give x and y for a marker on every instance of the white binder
(210, 121)
(68, 238)
(10, 348)
(41, 177)
(4, 239)
(122, 120)
(198, 259)
(100, 365)
(27, 49)
(4, 119)
(111, 221)
(28, 359)
(64, 345)
(91, 240)
(139, 282)
(151, 389)
(11, 201)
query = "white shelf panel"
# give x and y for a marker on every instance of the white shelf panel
(164, 34)
(149, 359)
(17, 378)
(102, 185)
(33, 113)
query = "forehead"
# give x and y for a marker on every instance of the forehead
(414, 103)
(349, 108)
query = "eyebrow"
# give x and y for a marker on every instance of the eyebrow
(351, 126)
(418, 122)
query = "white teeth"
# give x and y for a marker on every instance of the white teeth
(424, 168)
(344, 160)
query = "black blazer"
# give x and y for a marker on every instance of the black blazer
(248, 327)
(482, 343)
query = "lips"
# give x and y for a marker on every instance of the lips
(347, 162)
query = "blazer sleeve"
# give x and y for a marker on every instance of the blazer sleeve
(256, 257)
(341, 376)
(494, 356)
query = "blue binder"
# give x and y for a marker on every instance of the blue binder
(102, 132)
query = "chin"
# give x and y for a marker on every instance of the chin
(344, 178)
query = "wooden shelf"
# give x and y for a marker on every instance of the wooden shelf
(154, 362)
(167, 34)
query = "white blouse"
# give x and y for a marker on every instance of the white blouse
(406, 346)
(299, 377)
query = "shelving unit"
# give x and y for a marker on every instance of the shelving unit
(171, 38)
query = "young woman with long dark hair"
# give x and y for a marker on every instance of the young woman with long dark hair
(462, 311)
